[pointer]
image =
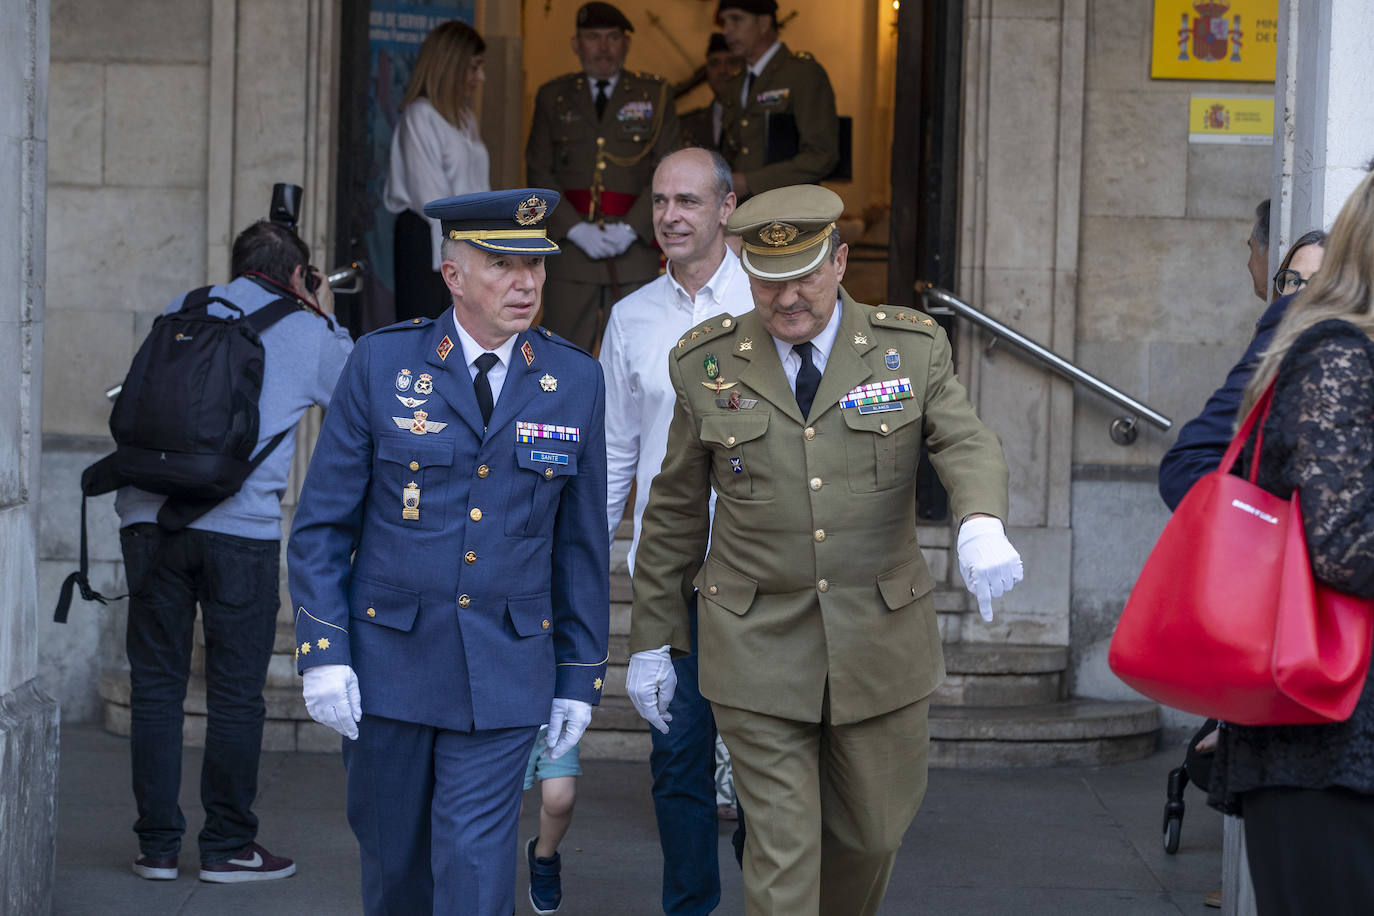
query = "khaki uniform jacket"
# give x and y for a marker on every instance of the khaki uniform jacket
(791, 84)
(697, 129)
(640, 127)
(814, 576)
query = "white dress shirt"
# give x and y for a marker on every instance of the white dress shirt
(643, 329)
(820, 355)
(756, 68)
(430, 159)
(610, 87)
(496, 375)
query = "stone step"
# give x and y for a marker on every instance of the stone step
(1001, 675)
(1066, 732)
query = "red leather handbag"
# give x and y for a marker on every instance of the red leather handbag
(1226, 620)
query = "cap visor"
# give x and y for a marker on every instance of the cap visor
(784, 267)
(516, 246)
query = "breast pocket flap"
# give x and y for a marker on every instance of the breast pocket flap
(729, 432)
(726, 587)
(531, 615)
(387, 605)
(905, 584)
(425, 454)
(548, 462)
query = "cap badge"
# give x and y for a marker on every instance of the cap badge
(778, 234)
(531, 211)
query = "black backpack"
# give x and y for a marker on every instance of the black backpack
(186, 420)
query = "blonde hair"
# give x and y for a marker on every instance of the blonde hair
(1343, 288)
(441, 70)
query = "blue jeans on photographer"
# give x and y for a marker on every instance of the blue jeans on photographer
(235, 582)
(683, 763)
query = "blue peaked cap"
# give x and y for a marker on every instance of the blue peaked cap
(512, 221)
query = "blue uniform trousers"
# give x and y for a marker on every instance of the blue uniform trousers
(436, 813)
(683, 763)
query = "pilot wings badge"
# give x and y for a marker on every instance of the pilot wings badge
(420, 424)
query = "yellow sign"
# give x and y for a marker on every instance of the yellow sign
(1246, 120)
(1215, 40)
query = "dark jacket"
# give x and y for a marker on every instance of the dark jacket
(1203, 439)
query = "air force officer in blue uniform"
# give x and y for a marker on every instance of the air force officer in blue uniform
(448, 565)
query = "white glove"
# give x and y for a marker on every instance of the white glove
(332, 698)
(592, 239)
(568, 720)
(651, 683)
(987, 561)
(621, 237)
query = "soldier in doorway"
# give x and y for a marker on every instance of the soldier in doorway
(596, 138)
(701, 126)
(779, 125)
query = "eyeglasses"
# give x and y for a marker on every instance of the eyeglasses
(1288, 281)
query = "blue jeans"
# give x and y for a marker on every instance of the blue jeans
(683, 763)
(234, 580)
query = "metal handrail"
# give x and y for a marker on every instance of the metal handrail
(1123, 429)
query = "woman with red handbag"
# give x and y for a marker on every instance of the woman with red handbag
(1306, 792)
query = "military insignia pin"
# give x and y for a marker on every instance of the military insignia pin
(712, 366)
(531, 211)
(444, 348)
(419, 423)
(424, 384)
(528, 352)
(746, 344)
(410, 502)
(778, 234)
(403, 380)
(412, 403)
(737, 465)
(860, 340)
(548, 382)
(892, 359)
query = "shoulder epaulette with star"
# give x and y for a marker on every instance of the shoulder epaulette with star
(887, 316)
(710, 329)
(408, 324)
(803, 55)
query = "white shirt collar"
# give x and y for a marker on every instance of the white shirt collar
(757, 66)
(610, 84)
(472, 349)
(714, 287)
(823, 342)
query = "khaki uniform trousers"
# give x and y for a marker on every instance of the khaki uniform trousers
(827, 806)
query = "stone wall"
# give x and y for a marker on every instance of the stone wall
(28, 716)
(129, 126)
(1165, 304)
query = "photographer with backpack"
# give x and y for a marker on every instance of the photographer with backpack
(204, 527)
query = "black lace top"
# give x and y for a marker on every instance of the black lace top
(1319, 440)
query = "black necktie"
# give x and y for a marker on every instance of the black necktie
(808, 378)
(601, 97)
(483, 387)
(748, 86)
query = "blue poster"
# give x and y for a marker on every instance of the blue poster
(395, 31)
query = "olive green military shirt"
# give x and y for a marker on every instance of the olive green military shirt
(814, 580)
(638, 128)
(795, 87)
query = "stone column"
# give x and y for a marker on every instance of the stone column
(1324, 115)
(28, 717)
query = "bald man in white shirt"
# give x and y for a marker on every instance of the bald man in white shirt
(692, 198)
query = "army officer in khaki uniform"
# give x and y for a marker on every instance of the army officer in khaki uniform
(596, 137)
(816, 625)
(779, 125)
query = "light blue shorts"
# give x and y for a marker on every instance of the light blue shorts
(543, 767)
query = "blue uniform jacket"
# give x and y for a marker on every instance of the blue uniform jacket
(477, 600)
(1203, 440)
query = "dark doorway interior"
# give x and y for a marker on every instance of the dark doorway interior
(925, 201)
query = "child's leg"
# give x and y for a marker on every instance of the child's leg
(558, 795)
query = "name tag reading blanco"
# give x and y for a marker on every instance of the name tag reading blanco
(549, 457)
(880, 408)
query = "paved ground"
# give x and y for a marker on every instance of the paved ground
(1017, 842)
